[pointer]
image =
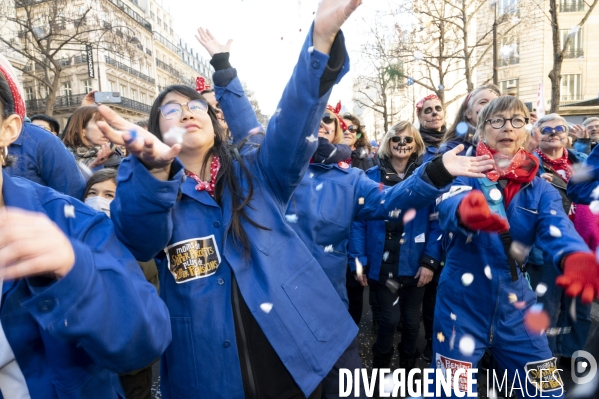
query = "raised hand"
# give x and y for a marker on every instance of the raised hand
(330, 16)
(19, 258)
(475, 214)
(210, 43)
(153, 153)
(89, 99)
(103, 155)
(579, 131)
(466, 166)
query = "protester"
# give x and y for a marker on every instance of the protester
(588, 136)
(86, 142)
(46, 122)
(431, 117)
(484, 300)
(75, 308)
(357, 139)
(400, 254)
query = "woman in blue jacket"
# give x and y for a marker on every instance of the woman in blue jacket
(400, 254)
(484, 299)
(75, 309)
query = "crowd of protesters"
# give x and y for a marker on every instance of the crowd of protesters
(238, 255)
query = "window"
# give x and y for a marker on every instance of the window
(571, 88)
(574, 50)
(87, 85)
(571, 5)
(508, 7)
(165, 26)
(508, 51)
(123, 90)
(159, 21)
(133, 94)
(66, 89)
(143, 98)
(509, 87)
(111, 85)
(171, 30)
(151, 15)
(29, 94)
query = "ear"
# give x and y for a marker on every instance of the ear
(468, 114)
(10, 130)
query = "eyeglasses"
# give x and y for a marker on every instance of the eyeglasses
(594, 128)
(328, 118)
(551, 130)
(406, 139)
(352, 129)
(517, 122)
(174, 110)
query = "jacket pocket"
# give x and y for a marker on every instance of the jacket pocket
(180, 358)
(331, 208)
(316, 301)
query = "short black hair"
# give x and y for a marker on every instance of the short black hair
(54, 125)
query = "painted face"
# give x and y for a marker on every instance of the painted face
(199, 131)
(477, 103)
(327, 126)
(593, 130)
(506, 140)
(432, 115)
(554, 140)
(402, 145)
(92, 132)
(105, 189)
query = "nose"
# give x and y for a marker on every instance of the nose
(186, 113)
(402, 143)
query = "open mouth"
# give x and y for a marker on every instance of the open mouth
(506, 141)
(403, 150)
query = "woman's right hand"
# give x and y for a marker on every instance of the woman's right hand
(210, 43)
(330, 16)
(103, 155)
(466, 166)
(153, 153)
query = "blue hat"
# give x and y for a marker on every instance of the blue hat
(373, 143)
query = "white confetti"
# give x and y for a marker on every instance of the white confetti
(359, 268)
(488, 272)
(392, 285)
(541, 289)
(553, 212)
(440, 337)
(69, 211)
(256, 130)
(453, 316)
(319, 187)
(311, 175)
(418, 56)
(396, 301)
(394, 213)
(573, 311)
(328, 248)
(441, 236)
(528, 127)
(388, 385)
(361, 201)
(467, 345)
(311, 139)
(385, 256)
(409, 216)
(174, 134)
(277, 112)
(581, 173)
(595, 193)
(291, 218)
(555, 232)
(519, 251)
(512, 298)
(594, 207)
(85, 170)
(332, 152)
(266, 307)
(502, 163)
(452, 339)
(382, 202)
(311, 49)
(467, 279)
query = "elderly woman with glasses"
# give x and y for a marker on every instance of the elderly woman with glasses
(484, 299)
(587, 135)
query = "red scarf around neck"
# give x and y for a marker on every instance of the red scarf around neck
(207, 185)
(521, 169)
(563, 163)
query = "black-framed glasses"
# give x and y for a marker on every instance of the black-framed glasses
(498, 122)
(405, 139)
(552, 130)
(174, 110)
(328, 118)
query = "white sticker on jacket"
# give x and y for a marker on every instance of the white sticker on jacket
(192, 259)
(454, 190)
(420, 238)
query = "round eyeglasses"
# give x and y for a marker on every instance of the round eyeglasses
(498, 122)
(174, 110)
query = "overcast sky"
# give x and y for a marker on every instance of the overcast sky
(267, 36)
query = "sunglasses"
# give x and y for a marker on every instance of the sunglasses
(406, 139)
(551, 130)
(328, 118)
(174, 110)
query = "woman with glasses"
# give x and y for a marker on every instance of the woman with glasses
(357, 140)
(401, 254)
(331, 148)
(484, 299)
(556, 166)
(587, 136)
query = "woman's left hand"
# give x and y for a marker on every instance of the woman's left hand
(31, 244)
(210, 43)
(425, 276)
(466, 166)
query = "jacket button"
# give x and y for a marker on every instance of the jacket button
(315, 64)
(217, 224)
(46, 306)
(226, 344)
(220, 281)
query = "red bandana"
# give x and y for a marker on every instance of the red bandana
(14, 90)
(203, 185)
(561, 164)
(521, 169)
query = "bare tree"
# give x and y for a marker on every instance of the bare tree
(48, 34)
(559, 49)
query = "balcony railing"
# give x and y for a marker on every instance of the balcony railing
(148, 52)
(571, 6)
(133, 14)
(167, 68)
(573, 53)
(173, 47)
(80, 59)
(129, 70)
(570, 97)
(74, 101)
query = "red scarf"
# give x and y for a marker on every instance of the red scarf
(521, 169)
(203, 185)
(562, 164)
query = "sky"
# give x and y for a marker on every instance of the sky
(267, 37)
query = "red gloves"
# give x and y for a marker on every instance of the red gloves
(475, 214)
(581, 276)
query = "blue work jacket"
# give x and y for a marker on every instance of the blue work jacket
(307, 325)
(582, 184)
(71, 337)
(42, 158)
(422, 236)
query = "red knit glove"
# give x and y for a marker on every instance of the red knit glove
(475, 214)
(581, 276)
